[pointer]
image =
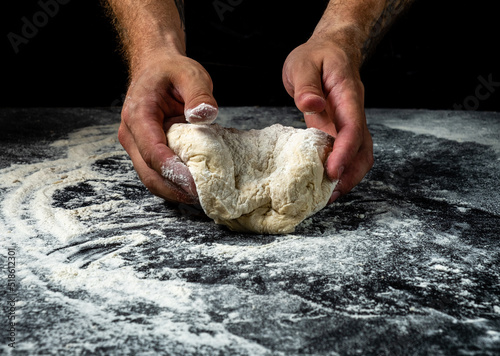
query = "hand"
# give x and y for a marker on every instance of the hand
(324, 82)
(163, 91)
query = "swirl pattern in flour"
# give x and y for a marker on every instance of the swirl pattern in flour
(407, 263)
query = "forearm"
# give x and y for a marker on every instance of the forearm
(146, 27)
(358, 25)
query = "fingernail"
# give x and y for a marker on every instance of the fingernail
(203, 114)
(181, 195)
(310, 113)
(335, 196)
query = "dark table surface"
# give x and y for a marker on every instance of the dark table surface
(407, 264)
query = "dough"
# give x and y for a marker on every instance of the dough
(264, 181)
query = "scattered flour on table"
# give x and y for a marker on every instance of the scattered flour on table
(50, 238)
(50, 234)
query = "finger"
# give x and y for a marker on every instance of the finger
(158, 185)
(356, 171)
(144, 122)
(203, 114)
(200, 106)
(350, 122)
(321, 121)
(305, 84)
(178, 173)
(147, 147)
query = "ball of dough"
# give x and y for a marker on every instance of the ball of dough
(264, 181)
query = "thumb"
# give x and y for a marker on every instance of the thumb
(307, 88)
(200, 106)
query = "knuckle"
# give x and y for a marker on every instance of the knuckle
(147, 156)
(196, 71)
(308, 89)
(360, 87)
(339, 56)
(129, 107)
(288, 85)
(122, 134)
(201, 96)
(148, 181)
(369, 159)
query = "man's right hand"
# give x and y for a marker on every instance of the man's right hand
(161, 90)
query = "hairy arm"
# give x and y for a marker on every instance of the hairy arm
(148, 26)
(359, 24)
(322, 76)
(379, 26)
(165, 87)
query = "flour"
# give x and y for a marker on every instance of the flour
(203, 114)
(176, 172)
(51, 237)
(464, 128)
(104, 265)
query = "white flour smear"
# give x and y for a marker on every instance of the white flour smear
(465, 128)
(36, 227)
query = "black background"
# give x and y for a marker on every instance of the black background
(432, 57)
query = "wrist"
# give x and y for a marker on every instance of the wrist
(146, 52)
(349, 24)
(347, 37)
